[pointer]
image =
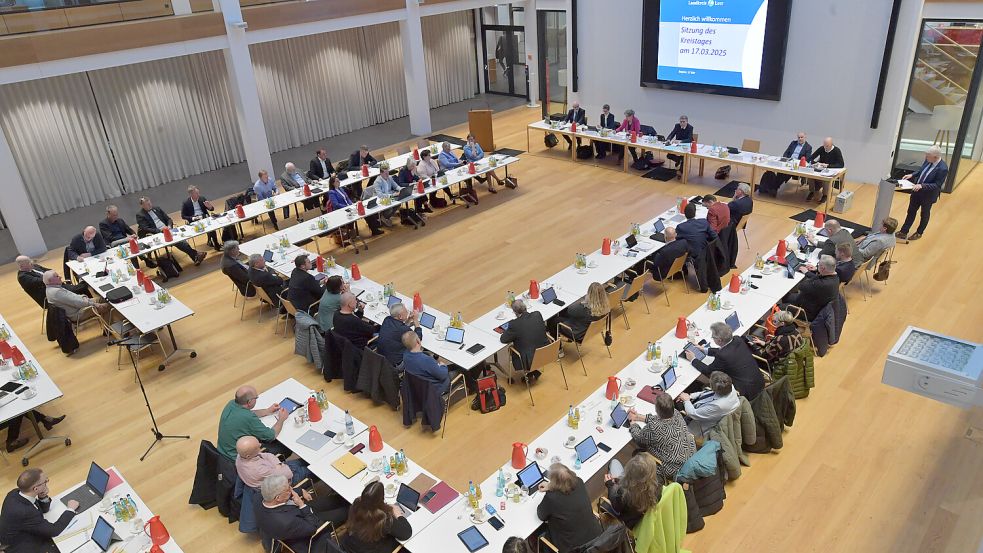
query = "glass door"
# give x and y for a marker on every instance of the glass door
(504, 50)
(554, 79)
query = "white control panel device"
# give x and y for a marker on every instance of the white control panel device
(936, 366)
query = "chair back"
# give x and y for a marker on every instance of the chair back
(402, 149)
(743, 223)
(595, 328)
(637, 285)
(262, 295)
(751, 145)
(614, 296)
(423, 143)
(676, 266)
(288, 306)
(545, 355)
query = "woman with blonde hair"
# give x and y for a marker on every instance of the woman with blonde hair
(575, 320)
(785, 340)
(636, 490)
(566, 509)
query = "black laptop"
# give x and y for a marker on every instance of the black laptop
(92, 491)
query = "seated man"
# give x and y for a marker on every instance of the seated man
(718, 214)
(607, 122)
(816, 289)
(697, 233)
(23, 528)
(422, 365)
(233, 268)
(384, 185)
(796, 150)
(151, 220)
(253, 465)
(321, 167)
(663, 258)
(732, 356)
(682, 132)
(705, 409)
(284, 515)
(292, 179)
(575, 114)
(359, 158)
(264, 277)
(241, 418)
(14, 441)
(873, 245)
(114, 231)
(845, 269)
(75, 305)
(836, 235)
(30, 277)
(86, 244)
(265, 188)
(742, 205)
(196, 208)
(303, 290)
(399, 322)
(348, 322)
(832, 157)
(446, 158)
(526, 333)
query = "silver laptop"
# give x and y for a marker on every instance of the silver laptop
(313, 439)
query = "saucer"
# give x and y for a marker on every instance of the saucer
(338, 438)
(592, 265)
(500, 315)
(391, 494)
(655, 368)
(582, 271)
(478, 517)
(570, 445)
(627, 401)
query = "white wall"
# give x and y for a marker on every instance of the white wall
(832, 64)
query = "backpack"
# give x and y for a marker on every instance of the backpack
(168, 267)
(490, 396)
(722, 172)
(644, 162)
(550, 140)
(585, 152)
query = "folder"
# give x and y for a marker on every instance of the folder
(444, 494)
(349, 465)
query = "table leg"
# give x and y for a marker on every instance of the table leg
(41, 439)
(527, 140)
(624, 157)
(174, 348)
(573, 147)
(686, 163)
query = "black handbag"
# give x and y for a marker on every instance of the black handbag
(119, 294)
(550, 140)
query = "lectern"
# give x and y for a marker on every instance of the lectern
(480, 125)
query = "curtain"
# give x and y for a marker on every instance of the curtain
(317, 86)
(167, 119)
(54, 132)
(448, 45)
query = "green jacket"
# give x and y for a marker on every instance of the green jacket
(798, 366)
(662, 528)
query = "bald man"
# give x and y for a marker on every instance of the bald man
(241, 418)
(86, 244)
(832, 157)
(30, 277)
(253, 465)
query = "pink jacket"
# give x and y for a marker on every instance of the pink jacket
(632, 124)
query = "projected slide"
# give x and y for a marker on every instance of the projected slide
(712, 42)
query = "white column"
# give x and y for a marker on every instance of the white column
(181, 7)
(242, 84)
(16, 206)
(532, 51)
(415, 70)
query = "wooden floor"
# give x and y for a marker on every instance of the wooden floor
(865, 467)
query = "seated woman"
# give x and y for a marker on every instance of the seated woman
(407, 177)
(472, 153)
(664, 435)
(785, 340)
(330, 302)
(340, 200)
(566, 509)
(580, 315)
(634, 488)
(374, 526)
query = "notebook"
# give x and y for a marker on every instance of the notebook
(349, 465)
(422, 482)
(443, 494)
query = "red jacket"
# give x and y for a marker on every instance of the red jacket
(718, 215)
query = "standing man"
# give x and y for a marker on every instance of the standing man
(831, 157)
(196, 208)
(575, 114)
(265, 188)
(151, 220)
(321, 167)
(928, 181)
(607, 122)
(23, 528)
(718, 214)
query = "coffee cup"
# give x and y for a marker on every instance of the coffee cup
(136, 525)
(571, 440)
(30, 392)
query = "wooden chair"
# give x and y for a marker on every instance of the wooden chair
(596, 328)
(674, 269)
(457, 384)
(245, 298)
(542, 357)
(637, 286)
(124, 329)
(44, 314)
(289, 312)
(264, 300)
(614, 301)
(422, 143)
(696, 138)
(751, 145)
(402, 149)
(279, 547)
(870, 266)
(742, 226)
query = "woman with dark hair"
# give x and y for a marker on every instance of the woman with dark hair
(664, 435)
(516, 545)
(634, 489)
(330, 302)
(373, 525)
(566, 509)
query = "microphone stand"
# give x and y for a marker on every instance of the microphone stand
(140, 341)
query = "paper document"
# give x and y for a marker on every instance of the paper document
(905, 184)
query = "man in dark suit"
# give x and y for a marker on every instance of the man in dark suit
(348, 322)
(321, 167)
(607, 122)
(796, 150)
(526, 333)
(263, 277)
(399, 322)
(836, 235)
(682, 132)
(733, 357)
(575, 114)
(742, 205)
(152, 220)
(303, 289)
(23, 528)
(29, 277)
(663, 258)
(196, 208)
(355, 161)
(928, 180)
(235, 269)
(817, 289)
(86, 244)
(832, 157)
(285, 515)
(696, 232)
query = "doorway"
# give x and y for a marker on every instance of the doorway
(504, 50)
(554, 78)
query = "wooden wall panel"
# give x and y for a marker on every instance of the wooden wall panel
(3, 27)
(143, 9)
(93, 15)
(30, 22)
(291, 13)
(198, 6)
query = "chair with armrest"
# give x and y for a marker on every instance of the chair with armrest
(542, 357)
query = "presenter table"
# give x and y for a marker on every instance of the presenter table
(41, 390)
(75, 538)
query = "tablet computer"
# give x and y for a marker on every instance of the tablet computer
(289, 404)
(631, 241)
(696, 351)
(733, 321)
(803, 242)
(587, 448)
(455, 335)
(531, 476)
(268, 255)
(619, 416)
(659, 226)
(472, 539)
(102, 534)
(427, 320)
(393, 300)
(668, 378)
(548, 295)
(502, 327)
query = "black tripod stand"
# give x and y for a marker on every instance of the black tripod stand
(139, 342)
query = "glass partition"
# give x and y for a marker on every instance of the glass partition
(554, 80)
(504, 50)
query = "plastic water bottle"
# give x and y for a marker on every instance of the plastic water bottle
(570, 417)
(500, 488)
(131, 506)
(402, 461)
(117, 513)
(576, 463)
(472, 494)
(349, 424)
(386, 469)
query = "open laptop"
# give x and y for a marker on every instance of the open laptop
(619, 417)
(660, 231)
(408, 499)
(427, 320)
(103, 534)
(586, 449)
(733, 321)
(530, 477)
(91, 492)
(455, 335)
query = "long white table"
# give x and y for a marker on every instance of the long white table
(42, 387)
(75, 538)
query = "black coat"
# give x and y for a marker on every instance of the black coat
(354, 328)
(77, 246)
(737, 361)
(697, 233)
(110, 231)
(740, 208)
(355, 160)
(289, 523)
(31, 282)
(146, 226)
(188, 209)
(268, 281)
(23, 528)
(238, 273)
(806, 150)
(303, 289)
(526, 334)
(608, 122)
(215, 481)
(663, 258)
(390, 342)
(578, 317)
(579, 115)
(814, 292)
(570, 522)
(317, 172)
